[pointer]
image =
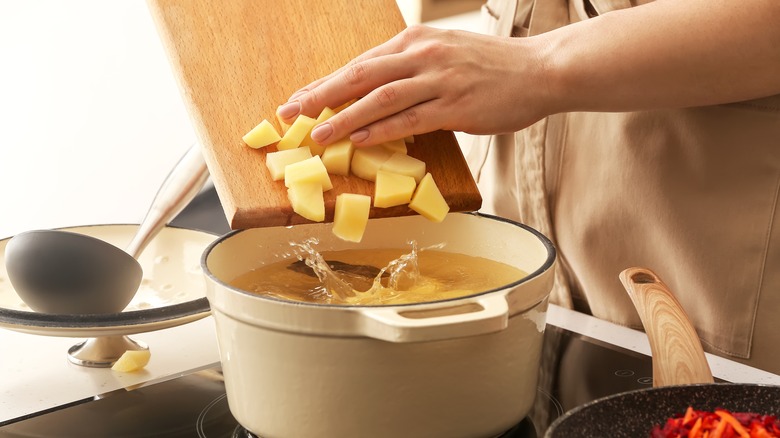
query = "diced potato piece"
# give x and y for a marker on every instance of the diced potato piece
(295, 134)
(316, 148)
(277, 161)
(393, 189)
(395, 146)
(308, 170)
(325, 114)
(307, 200)
(261, 135)
(285, 126)
(428, 200)
(338, 157)
(351, 216)
(405, 165)
(367, 160)
(132, 360)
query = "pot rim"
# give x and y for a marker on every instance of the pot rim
(548, 263)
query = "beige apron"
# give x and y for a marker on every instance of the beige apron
(690, 193)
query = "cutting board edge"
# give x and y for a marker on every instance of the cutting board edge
(243, 219)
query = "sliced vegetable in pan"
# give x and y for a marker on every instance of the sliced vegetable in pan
(718, 424)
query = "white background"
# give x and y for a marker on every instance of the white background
(90, 115)
(91, 120)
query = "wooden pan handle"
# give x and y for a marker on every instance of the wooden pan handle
(678, 357)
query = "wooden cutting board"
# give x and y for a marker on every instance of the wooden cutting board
(237, 61)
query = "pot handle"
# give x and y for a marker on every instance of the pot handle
(488, 314)
(678, 357)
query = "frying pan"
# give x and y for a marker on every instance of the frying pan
(681, 375)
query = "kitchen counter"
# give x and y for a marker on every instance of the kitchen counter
(35, 374)
(90, 123)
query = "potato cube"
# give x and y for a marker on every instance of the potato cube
(351, 216)
(405, 165)
(338, 157)
(325, 114)
(308, 170)
(261, 135)
(132, 360)
(277, 161)
(285, 126)
(316, 148)
(428, 200)
(395, 146)
(295, 134)
(367, 160)
(307, 200)
(392, 189)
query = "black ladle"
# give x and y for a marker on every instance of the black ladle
(61, 272)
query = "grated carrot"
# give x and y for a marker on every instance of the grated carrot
(718, 424)
(728, 418)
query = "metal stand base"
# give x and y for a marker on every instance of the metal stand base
(102, 352)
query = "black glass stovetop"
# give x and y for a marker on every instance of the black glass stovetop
(574, 370)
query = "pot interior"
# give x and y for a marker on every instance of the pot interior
(471, 234)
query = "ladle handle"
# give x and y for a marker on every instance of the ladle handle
(678, 357)
(179, 188)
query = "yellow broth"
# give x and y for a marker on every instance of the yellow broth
(438, 275)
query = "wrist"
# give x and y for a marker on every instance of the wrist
(547, 71)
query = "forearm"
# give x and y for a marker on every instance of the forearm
(669, 53)
(665, 54)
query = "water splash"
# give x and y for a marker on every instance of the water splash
(332, 284)
(338, 286)
(403, 272)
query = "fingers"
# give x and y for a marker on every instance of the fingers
(353, 81)
(391, 87)
(382, 102)
(391, 46)
(414, 120)
(317, 83)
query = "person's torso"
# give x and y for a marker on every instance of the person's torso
(690, 193)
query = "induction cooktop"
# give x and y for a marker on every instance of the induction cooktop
(575, 369)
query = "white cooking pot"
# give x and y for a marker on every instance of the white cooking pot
(464, 367)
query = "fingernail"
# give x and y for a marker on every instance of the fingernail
(321, 132)
(359, 135)
(289, 110)
(296, 94)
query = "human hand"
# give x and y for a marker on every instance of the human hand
(425, 79)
